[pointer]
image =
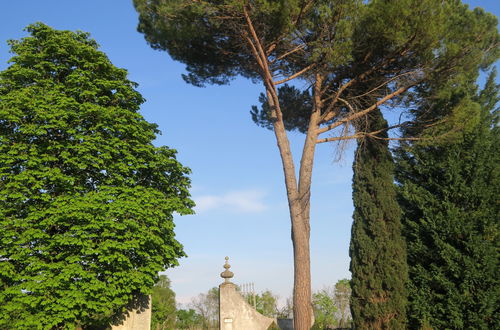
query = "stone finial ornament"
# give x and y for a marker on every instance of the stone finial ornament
(227, 274)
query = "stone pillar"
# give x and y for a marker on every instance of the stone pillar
(234, 312)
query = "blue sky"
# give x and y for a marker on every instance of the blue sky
(237, 178)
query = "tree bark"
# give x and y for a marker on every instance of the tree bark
(302, 308)
(299, 197)
(299, 214)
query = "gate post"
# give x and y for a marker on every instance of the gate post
(234, 312)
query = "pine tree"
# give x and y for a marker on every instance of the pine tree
(342, 53)
(378, 257)
(449, 197)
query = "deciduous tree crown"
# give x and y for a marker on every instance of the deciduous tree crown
(86, 200)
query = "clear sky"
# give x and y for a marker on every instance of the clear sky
(237, 178)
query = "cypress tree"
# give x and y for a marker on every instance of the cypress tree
(449, 197)
(378, 257)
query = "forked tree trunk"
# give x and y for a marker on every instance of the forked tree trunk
(299, 214)
(299, 196)
(298, 193)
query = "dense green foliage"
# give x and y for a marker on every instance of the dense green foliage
(209, 36)
(188, 319)
(86, 200)
(391, 44)
(324, 310)
(378, 256)
(449, 195)
(331, 306)
(163, 305)
(265, 302)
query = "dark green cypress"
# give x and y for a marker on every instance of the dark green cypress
(378, 257)
(449, 196)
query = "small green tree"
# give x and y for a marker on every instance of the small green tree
(265, 302)
(342, 299)
(163, 305)
(331, 306)
(324, 309)
(188, 319)
(86, 200)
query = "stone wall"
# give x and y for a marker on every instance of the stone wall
(138, 318)
(234, 312)
(237, 314)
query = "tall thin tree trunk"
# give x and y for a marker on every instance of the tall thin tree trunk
(302, 275)
(299, 197)
(299, 214)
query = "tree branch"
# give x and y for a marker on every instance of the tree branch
(403, 51)
(385, 83)
(372, 135)
(399, 139)
(296, 49)
(365, 111)
(262, 60)
(295, 75)
(339, 138)
(347, 104)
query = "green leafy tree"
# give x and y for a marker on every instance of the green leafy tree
(163, 305)
(378, 255)
(352, 56)
(324, 310)
(265, 302)
(449, 195)
(188, 319)
(86, 200)
(331, 306)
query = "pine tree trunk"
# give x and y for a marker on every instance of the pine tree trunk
(299, 213)
(302, 276)
(299, 198)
